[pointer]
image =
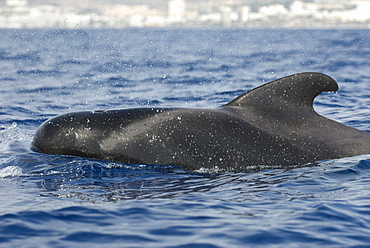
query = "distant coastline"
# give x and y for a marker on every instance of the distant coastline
(323, 14)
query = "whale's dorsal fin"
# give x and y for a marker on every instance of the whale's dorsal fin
(298, 90)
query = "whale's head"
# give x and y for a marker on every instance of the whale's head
(69, 134)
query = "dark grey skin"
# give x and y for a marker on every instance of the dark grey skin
(274, 124)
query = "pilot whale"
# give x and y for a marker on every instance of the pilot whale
(274, 124)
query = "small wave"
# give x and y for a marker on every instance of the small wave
(73, 62)
(51, 73)
(32, 56)
(11, 133)
(10, 171)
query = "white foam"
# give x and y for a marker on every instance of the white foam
(10, 171)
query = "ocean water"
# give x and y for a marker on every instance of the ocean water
(61, 201)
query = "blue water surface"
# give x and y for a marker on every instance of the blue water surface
(61, 201)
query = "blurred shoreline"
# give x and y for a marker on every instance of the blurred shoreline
(319, 14)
